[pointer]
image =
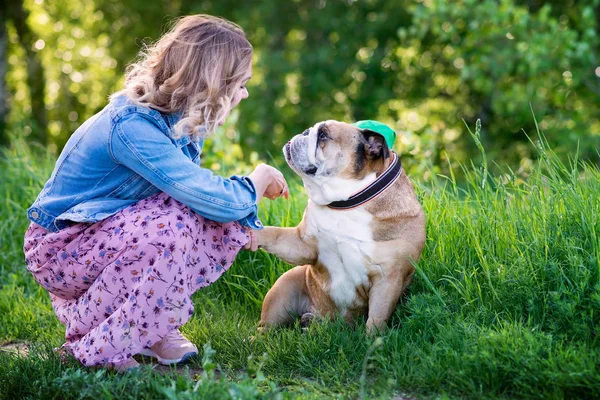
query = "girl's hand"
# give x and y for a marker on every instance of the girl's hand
(252, 244)
(269, 182)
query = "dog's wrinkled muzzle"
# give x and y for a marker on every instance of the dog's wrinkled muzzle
(299, 152)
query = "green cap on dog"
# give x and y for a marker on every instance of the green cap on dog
(379, 127)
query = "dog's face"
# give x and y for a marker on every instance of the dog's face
(335, 159)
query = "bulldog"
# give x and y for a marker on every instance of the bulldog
(361, 230)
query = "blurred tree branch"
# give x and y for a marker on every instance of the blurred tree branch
(15, 12)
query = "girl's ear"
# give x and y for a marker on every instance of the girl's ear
(375, 145)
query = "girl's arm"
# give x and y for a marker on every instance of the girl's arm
(138, 143)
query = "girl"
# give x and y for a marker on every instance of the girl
(129, 225)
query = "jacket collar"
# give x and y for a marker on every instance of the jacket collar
(173, 119)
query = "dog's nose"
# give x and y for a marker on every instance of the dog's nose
(305, 133)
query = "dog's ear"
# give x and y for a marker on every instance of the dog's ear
(375, 145)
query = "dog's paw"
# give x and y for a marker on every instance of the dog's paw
(375, 327)
(260, 331)
(306, 319)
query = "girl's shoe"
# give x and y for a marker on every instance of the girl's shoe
(125, 366)
(173, 348)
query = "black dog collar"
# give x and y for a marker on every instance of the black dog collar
(374, 189)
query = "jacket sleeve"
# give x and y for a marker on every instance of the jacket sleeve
(139, 144)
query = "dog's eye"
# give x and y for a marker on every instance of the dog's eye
(322, 135)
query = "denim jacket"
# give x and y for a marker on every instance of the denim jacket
(126, 153)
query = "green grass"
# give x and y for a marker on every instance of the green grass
(505, 304)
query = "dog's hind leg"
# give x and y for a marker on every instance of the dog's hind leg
(286, 301)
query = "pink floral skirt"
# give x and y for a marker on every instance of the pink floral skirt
(123, 283)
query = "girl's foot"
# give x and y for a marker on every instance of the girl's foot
(125, 366)
(174, 348)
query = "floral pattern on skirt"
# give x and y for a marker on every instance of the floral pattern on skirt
(123, 283)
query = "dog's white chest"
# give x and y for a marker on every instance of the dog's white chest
(345, 243)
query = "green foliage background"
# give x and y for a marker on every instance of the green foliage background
(422, 66)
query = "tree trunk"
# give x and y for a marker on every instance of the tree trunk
(35, 71)
(3, 69)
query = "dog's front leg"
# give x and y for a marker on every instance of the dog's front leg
(289, 244)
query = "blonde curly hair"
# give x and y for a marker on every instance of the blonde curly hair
(193, 69)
